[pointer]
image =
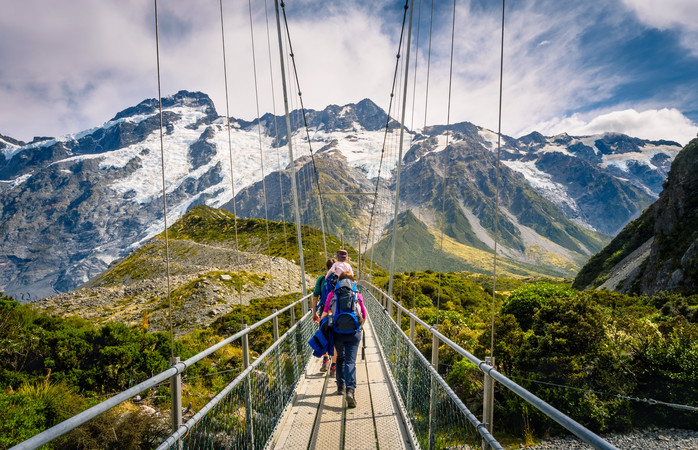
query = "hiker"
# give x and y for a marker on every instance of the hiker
(322, 289)
(348, 315)
(341, 265)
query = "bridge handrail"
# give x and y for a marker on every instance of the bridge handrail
(184, 429)
(481, 428)
(67, 425)
(567, 422)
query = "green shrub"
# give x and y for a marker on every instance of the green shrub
(35, 407)
(526, 300)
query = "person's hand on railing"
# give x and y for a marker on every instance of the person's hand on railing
(316, 318)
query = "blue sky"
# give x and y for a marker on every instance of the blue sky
(629, 66)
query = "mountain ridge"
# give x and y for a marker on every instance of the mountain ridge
(73, 204)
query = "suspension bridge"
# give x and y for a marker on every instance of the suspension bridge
(281, 400)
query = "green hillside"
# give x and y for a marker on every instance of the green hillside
(217, 228)
(209, 225)
(419, 248)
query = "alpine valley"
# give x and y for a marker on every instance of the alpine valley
(71, 206)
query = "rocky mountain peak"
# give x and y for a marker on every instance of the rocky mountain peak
(182, 98)
(71, 205)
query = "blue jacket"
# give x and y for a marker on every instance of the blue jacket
(322, 341)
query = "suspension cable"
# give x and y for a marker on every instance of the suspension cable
(230, 153)
(650, 401)
(164, 191)
(371, 232)
(307, 132)
(399, 157)
(426, 96)
(446, 152)
(259, 127)
(496, 199)
(276, 137)
(292, 166)
(416, 60)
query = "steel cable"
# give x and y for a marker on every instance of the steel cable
(164, 190)
(323, 218)
(259, 127)
(230, 154)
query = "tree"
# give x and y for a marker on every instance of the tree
(526, 300)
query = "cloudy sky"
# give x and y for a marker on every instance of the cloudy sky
(582, 67)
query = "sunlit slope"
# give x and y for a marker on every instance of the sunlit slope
(419, 247)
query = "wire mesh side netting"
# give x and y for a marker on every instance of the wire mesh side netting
(438, 418)
(245, 414)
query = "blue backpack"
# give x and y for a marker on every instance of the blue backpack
(327, 287)
(344, 308)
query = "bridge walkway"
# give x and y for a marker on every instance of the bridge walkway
(319, 419)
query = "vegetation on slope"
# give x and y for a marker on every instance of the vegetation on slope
(673, 223)
(53, 368)
(420, 248)
(576, 350)
(205, 224)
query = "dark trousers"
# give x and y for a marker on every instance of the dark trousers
(347, 346)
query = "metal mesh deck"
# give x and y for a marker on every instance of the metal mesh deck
(319, 418)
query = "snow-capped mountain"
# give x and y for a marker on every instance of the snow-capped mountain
(72, 205)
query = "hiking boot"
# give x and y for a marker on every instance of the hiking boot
(325, 364)
(351, 401)
(333, 371)
(340, 390)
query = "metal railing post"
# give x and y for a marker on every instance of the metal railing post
(248, 400)
(275, 322)
(488, 400)
(410, 364)
(432, 397)
(294, 347)
(275, 332)
(399, 364)
(176, 399)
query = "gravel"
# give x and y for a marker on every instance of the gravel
(659, 439)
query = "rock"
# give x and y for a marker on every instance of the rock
(226, 277)
(148, 410)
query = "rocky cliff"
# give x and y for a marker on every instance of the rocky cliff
(659, 250)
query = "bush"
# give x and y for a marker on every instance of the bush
(35, 407)
(526, 300)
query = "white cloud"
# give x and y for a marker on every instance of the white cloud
(670, 14)
(82, 61)
(544, 67)
(667, 13)
(650, 124)
(79, 63)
